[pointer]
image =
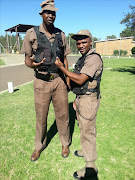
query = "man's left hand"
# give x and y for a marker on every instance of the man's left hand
(58, 63)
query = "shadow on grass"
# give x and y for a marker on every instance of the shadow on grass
(72, 118)
(129, 69)
(91, 178)
(53, 129)
(16, 90)
(51, 133)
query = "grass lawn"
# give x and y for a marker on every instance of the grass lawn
(2, 62)
(115, 132)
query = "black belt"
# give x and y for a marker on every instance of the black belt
(46, 77)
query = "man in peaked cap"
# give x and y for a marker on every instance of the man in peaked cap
(41, 46)
(85, 83)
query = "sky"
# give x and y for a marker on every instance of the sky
(101, 17)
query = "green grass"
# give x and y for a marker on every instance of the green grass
(2, 62)
(115, 132)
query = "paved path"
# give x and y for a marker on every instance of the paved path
(16, 71)
(18, 74)
(12, 59)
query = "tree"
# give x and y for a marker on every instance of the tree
(94, 39)
(11, 42)
(111, 37)
(72, 44)
(129, 21)
(127, 32)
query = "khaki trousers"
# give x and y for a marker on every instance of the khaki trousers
(45, 92)
(86, 110)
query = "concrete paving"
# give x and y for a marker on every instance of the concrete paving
(17, 59)
(18, 75)
(16, 71)
(12, 59)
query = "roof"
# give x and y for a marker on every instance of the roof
(20, 28)
(115, 39)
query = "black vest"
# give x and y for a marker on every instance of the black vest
(82, 89)
(48, 50)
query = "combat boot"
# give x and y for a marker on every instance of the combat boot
(88, 171)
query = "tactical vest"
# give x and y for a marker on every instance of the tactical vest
(82, 89)
(48, 50)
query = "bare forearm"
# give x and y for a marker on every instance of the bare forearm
(77, 78)
(74, 77)
(31, 64)
(66, 63)
(28, 62)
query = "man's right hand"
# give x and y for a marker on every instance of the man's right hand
(34, 64)
(29, 61)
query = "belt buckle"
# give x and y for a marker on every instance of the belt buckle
(51, 77)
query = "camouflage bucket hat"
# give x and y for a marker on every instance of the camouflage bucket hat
(47, 5)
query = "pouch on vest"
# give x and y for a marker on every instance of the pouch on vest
(82, 89)
(46, 53)
(76, 88)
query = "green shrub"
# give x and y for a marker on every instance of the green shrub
(121, 52)
(133, 50)
(124, 53)
(116, 52)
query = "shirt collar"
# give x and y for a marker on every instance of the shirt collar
(42, 29)
(90, 51)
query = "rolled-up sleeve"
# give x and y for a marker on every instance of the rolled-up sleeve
(29, 42)
(65, 44)
(91, 65)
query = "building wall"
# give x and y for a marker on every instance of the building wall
(107, 47)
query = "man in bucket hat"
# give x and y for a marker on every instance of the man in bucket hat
(85, 83)
(41, 46)
(47, 5)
